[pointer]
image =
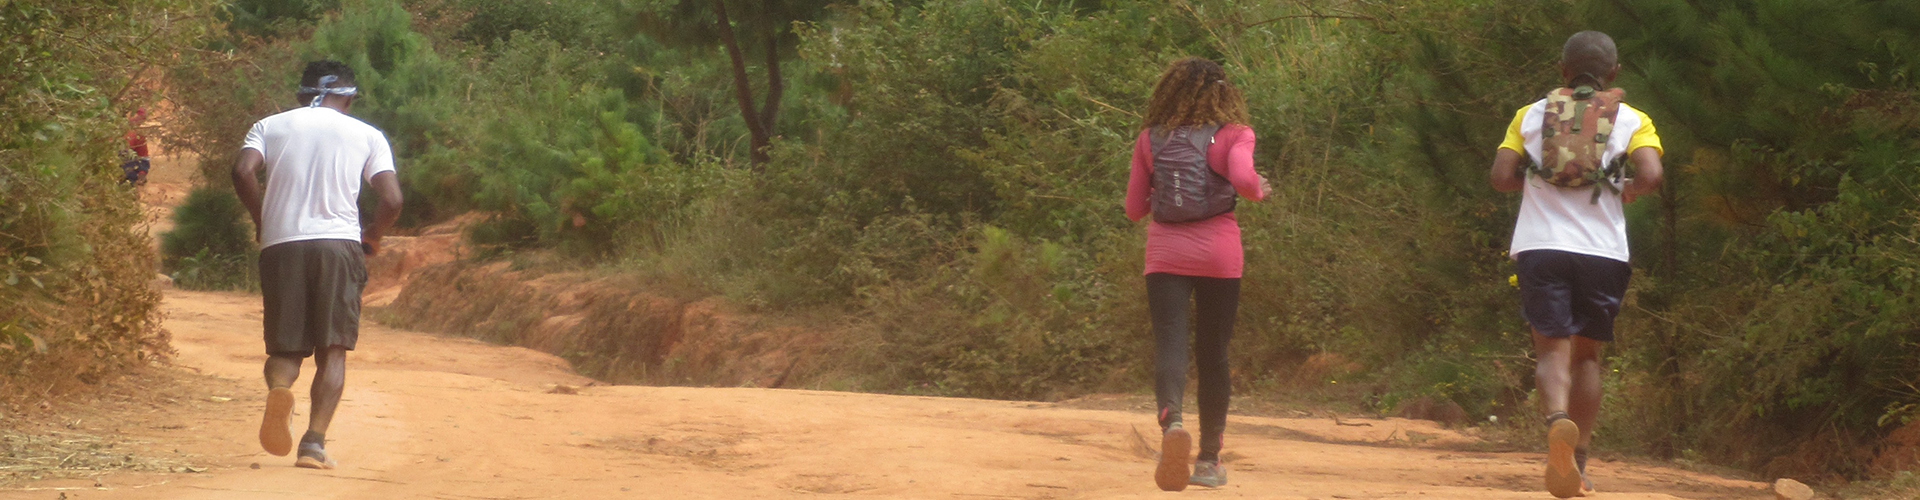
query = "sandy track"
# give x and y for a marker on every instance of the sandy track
(169, 179)
(434, 417)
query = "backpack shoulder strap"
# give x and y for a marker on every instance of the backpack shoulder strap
(1202, 135)
(1202, 138)
(1157, 139)
(1608, 103)
(1547, 104)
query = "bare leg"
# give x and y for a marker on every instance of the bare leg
(1583, 401)
(1583, 405)
(1552, 374)
(282, 371)
(1554, 379)
(329, 381)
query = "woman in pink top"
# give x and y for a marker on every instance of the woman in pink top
(1193, 264)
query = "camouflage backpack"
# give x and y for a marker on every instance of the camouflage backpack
(1185, 188)
(1573, 139)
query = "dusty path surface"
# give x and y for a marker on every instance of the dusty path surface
(434, 417)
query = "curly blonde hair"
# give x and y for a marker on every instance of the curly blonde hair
(1195, 91)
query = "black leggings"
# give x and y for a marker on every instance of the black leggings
(1215, 300)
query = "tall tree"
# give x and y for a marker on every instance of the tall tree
(761, 29)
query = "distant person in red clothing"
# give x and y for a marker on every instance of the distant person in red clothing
(1191, 161)
(135, 168)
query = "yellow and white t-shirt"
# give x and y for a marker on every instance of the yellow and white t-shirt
(1566, 219)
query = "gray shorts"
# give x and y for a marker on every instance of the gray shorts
(311, 290)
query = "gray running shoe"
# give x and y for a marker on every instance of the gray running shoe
(313, 456)
(1208, 474)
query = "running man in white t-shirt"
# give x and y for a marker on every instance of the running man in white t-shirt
(312, 245)
(1570, 248)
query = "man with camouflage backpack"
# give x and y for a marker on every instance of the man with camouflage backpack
(1570, 242)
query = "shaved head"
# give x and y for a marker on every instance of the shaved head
(1589, 55)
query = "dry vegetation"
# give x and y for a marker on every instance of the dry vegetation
(117, 426)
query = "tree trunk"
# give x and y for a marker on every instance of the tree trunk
(743, 91)
(1669, 199)
(771, 109)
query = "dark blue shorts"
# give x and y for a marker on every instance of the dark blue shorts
(1564, 293)
(135, 171)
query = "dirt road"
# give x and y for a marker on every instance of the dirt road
(432, 417)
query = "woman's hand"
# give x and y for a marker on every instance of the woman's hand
(1266, 188)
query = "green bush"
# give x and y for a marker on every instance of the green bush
(212, 244)
(570, 169)
(268, 18)
(494, 21)
(1009, 320)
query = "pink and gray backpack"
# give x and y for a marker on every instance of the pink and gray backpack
(1185, 188)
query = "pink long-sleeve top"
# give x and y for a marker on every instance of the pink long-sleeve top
(1207, 248)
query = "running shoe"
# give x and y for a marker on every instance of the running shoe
(1176, 451)
(1563, 475)
(313, 456)
(1209, 474)
(274, 435)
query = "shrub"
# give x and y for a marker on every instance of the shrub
(268, 18)
(212, 244)
(1010, 320)
(494, 21)
(570, 170)
(74, 279)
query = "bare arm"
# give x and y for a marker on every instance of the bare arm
(1506, 176)
(387, 186)
(1647, 176)
(246, 184)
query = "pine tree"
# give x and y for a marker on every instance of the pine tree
(744, 29)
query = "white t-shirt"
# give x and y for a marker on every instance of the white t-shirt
(1567, 219)
(316, 160)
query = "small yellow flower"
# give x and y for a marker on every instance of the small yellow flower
(1513, 280)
